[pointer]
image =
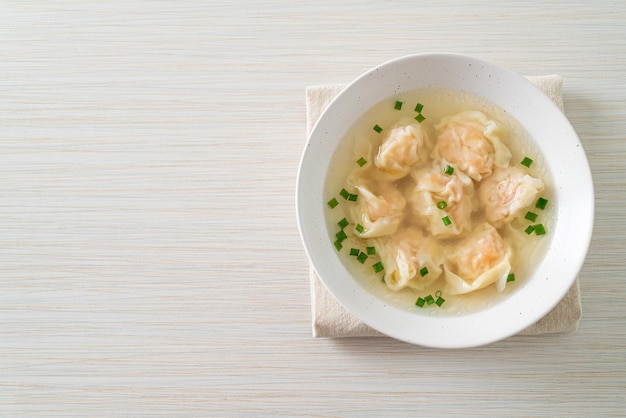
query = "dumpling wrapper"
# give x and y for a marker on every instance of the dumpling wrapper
(404, 255)
(378, 211)
(506, 193)
(433, 186)
(479, 260)
(404, 146)
(470, 141)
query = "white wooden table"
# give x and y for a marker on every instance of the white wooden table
(150, 263)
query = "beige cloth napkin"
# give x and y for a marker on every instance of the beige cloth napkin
(331, 320)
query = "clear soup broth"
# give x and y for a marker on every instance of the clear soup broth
(439, 202)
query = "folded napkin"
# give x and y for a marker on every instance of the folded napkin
(331, 320)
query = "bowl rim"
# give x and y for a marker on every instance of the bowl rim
(445, 331)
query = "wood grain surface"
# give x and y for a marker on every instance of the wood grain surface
(150, 263)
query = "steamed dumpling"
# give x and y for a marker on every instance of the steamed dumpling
(379, 211)
(404, 146)
(469, 141)
(506, 193)
(479, 260)
(433, 187)
(409, 260)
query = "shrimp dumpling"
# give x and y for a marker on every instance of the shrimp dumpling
(479, 260)
(404, 146)
(379, 211)
(437, 195)
(409, 259)
(506, 193)
(470, 141)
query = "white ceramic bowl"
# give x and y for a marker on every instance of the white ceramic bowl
(564, 156)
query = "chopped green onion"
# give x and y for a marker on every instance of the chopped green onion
(510, 277)
(420, 118)
(438, 293)
(361, 162)
(440, 301)
(449, 170)
(442, 205)
(446, 220)
(343, 223)
(378, 267)
(424, 271)
(344, 193)
(341, 236)
(353, 197)
(420, 302)
(398, 105)
(419, 107)
(527, 161)
(529, 230)
(362, 257)
(354, 252)
(539, 229)
(378, 128)
(333, 203)
(371, 250)
(338, 245)
(429, 299)
(541, 203)
(359, 228)
(531, 216)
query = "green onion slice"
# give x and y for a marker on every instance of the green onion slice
(344, 193)
(420, 302)
(338, 245)
(510, 277)
(529, 230)
(362, 257)
(398, 105)
(527, 161)
(341, 235)
(539, 229)
(359, 228)
(361, 162)
(541, 203)
(420, 118)
(442, 204)
(354, 252)
(531, 216)
(419, 107)
(440, 301)
(446, 220)
(378, 128)
(353, 197)
(449, 170)
(333, 203)
(429, 299)
(343, 223)
(371, 250)
(378, 267)
(424, 271)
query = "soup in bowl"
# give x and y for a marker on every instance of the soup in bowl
(437, 202)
